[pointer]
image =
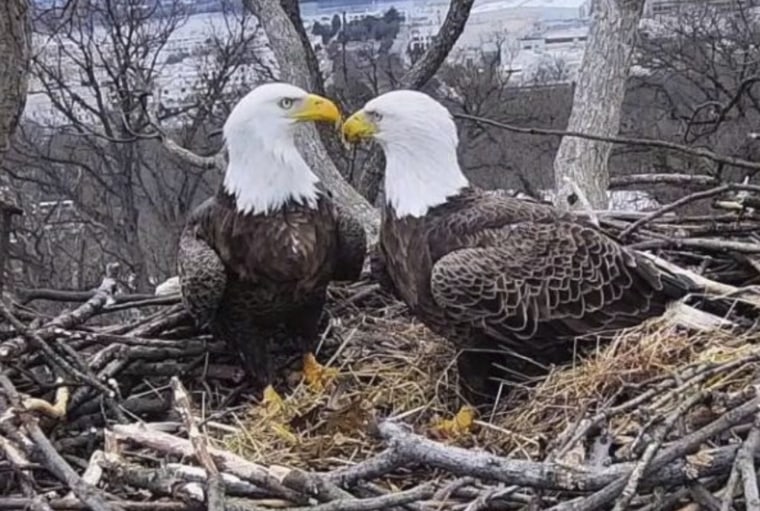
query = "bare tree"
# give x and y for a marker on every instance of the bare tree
(553, 69)
(598, 101)
(111, 73)
(701, 69)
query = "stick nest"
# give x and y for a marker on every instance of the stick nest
(120, 403)
(387, 365)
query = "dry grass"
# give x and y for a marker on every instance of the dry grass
(636, 360)
(386, 367)
(390, 366)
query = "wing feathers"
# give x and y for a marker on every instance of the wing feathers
(202, 276)
(554, 278)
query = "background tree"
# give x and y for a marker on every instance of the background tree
(15, 42)
(98, 154)
(697, 84)
(598, 101)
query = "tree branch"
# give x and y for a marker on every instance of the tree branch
(643, 142)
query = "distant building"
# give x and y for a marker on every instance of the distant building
(659, 8)
(550, 53)
(556, 40)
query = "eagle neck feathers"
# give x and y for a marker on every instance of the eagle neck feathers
(264, 175)
(417, 181)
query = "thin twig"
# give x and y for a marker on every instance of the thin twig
(642, 142)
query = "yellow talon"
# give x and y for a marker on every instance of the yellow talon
(272, 401)
(276, 415)
(315, 374)
(459, 425)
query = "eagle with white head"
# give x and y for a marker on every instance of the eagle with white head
(255, 259)
(511, 282)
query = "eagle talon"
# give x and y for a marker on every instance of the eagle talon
(458, 426)
(315, 374)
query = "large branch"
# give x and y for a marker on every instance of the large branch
(15, 42)
(598, 101)
(288, 49)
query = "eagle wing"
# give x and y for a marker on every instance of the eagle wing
(555, 279)
(352, 245)
(202, 273)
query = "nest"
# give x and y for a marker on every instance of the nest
(391, 367)
(106, 413)
(386, 365)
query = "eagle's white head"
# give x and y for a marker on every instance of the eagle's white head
(265, 169)
(419, 138)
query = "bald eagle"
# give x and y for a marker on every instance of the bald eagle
(254, 260)
(509, 281)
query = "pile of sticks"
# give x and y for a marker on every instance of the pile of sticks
(98, 416)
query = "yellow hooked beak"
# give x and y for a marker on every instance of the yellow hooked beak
(358, 127)
(317, 108)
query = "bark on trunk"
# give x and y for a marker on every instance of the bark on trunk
(288, 49)
(597, 103)
(15, 42)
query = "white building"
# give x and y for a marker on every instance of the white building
(551, 53)
(660, 8)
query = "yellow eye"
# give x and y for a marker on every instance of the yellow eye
(286, 103)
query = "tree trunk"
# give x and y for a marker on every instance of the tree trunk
(597, 103)
(286, 44)
(15, 43)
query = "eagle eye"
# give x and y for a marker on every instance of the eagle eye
(374, 116)
(286, 103)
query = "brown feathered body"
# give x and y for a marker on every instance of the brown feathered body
(259, 280)
(514, 282)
